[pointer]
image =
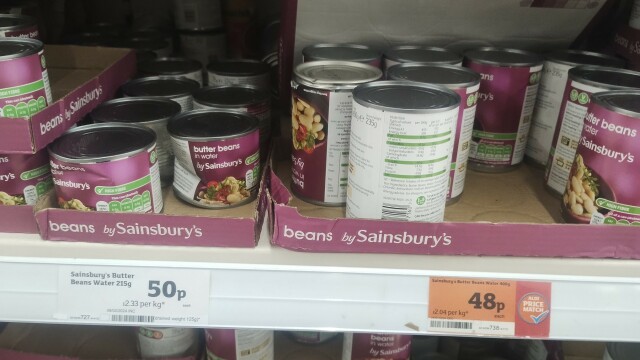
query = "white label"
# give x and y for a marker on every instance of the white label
(525, 120)
(108, 294)
(185, 182)
(45, 80)
(156, 185)
(167, 342)
(464, 144)
(399, 164)
(260, 81)
(30, 194)
(254, 344)
(183, 154)
(339, 127)
(545, 115)
(347, 346)
(564, 150)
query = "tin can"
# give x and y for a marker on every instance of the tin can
(24, 178)
(342, 52)
(24, 81)
(107, 167)
(634, 17)
(378, 346)
(217, 157)
(153, 113)
(239, 344)
(239, 72)
(552, 84)
(507, 95)
(321, 122)
(157, 34)
(583, 82)
(204, 46)
(431, 55)
(465, 83)
(602, 188)
(197, 14)
(20, 26)
(164, 342)
(89, 38)
(179, 90)
(245, 98)
(621, 351)
(160, 47)
(312, 337)
(176, 67)
(402, 134)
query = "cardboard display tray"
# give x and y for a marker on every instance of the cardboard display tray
(626, 43)
(501, 214)
(80, 78)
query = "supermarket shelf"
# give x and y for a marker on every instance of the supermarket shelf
(270, 287)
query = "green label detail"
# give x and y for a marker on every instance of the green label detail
(423, 176)
(494, 136)
(419, 162)
(35, 173)
(622, 222)
(421, 200)
(252, 158)
(44, 186)
(121, 189)
(399, 136)
(395, 143)
(21, 90)
(611, 205)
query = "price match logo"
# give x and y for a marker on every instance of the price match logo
(533, 308)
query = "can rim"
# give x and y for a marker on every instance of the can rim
(575, 74)
(199, 93)
(127, 87)
(535, 58)
(557, 56)
(307, 50)
(261, 68)
(601, 99)
(27, 21)
(477, 77)
(303, 79)
(392, 54)
(358, 90)
(254, 126)
(35, 46)
(176, 109)
(190, 65)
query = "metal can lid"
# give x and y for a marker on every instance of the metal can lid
(605, 77)
(343, 52)
(143, 43)
(12, 21)
(140, 110)
(333, 73)
(102, 142)
(230, 96)
(503, 57)
(579, 57)
(623, 351)
(243, 67)
(423, 54)
(161, 86)
(170, 66)
(89, 38)
(11, 48)
(625, 102)
(453, 77)
(406, 97)
(210, 124)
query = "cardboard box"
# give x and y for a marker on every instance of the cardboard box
(498, 214)
(179, 224)
(626, 43)
(81, 78)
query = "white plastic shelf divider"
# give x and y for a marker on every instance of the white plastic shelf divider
(267, 287)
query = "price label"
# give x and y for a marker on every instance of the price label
(489, 307)
(101, 294)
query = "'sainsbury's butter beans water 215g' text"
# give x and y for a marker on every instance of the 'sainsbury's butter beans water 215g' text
(24, 178)
(549, 100)
(107, 167)
(583, 82)
(465, 83)
(320, 126)
(506, 98)
(402, 135)
(217, 157)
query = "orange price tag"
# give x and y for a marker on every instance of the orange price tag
(488, 306)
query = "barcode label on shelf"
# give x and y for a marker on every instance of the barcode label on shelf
(445, 324)
(132, 318)
(133, 295)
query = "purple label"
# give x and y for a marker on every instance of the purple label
(130, 184)
(24, 86)
(228, 344)
(377, 346)
(218, 173)
(30, 32)
(24, 178)
(505, 105)
(602, 188)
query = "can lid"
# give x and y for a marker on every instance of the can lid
(11, 48)
(579, 57)
(12, 21)
(453, 77)
(230, 96)
(623, 351)
(503, 57)
(141, 110)
(626, 102)
(343, 52)
(242, 67)
(406, 97)
(161, 86)
(328, 73)
(211, 124)
(170, 66)
(423, 54)
(605, 77)
(143, 43)
(102, 142)
(89, 38)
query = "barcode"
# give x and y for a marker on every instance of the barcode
(446, 324)
(133, 318)
(395, 212)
